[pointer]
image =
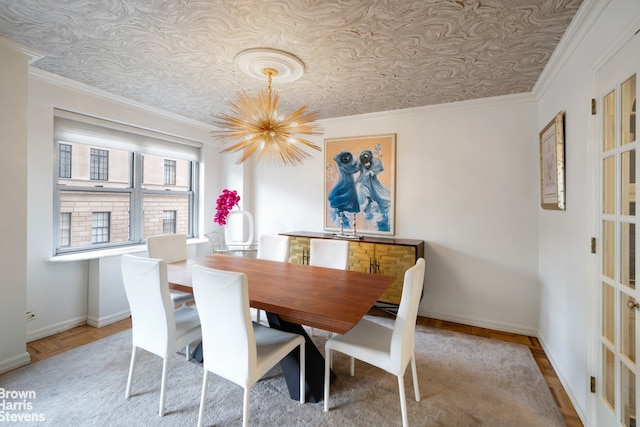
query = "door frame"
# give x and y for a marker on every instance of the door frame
(594, 134)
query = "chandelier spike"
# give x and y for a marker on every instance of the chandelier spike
(257, 126)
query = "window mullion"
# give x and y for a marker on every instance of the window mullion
(137, 214)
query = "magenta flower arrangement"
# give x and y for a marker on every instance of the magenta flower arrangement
(225, 202)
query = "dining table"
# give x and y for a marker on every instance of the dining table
(296, 295)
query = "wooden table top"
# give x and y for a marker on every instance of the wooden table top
(325, 298)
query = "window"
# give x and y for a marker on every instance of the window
(100, 227)
(147, 186)
(65, 229)
(169, 172)
(99, 165)
(64, 161)
(169, 222)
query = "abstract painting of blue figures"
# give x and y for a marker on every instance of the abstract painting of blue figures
(360, 183)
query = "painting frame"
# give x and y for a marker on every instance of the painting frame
(360, 175)
(552, 164)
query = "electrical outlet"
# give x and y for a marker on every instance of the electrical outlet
(30, 315)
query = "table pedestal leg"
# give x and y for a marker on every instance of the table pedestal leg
(314, 363)
(196, 353)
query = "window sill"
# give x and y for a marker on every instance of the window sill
(89, 255)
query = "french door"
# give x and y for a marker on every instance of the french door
(617, 381)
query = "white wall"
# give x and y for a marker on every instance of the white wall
(13, 219)
(466, 184)
(567, 288)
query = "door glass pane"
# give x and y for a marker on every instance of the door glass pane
(628, 182)
(628, 380)
(628, 254)
(609, 185)
(627, 326)
(608, 248)
(608, 302)
(609, 129)
(628, 113)
(609, 377)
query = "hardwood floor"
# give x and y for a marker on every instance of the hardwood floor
(80, 335)
(66, 340)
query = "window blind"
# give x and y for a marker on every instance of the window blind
(81, 129)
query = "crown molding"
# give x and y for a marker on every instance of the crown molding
(108, 96)
(587, 15)
(33, 54)
(494, 101)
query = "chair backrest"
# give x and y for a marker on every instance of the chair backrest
(215, 239)
(228, 341)
(403, 338)
(167, 247)
(147, 289)
(274, 247)
(239, 222)
(329, 253)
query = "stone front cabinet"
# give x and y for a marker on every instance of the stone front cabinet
(376, 255)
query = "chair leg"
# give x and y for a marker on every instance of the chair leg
(352, 366)
(414, 371)
(187, 351)
(258, 315)
(134, 351)
(203, 398)
(245, 409)
(327, 376)
(302, 371)
(403, 401)
(163, 386)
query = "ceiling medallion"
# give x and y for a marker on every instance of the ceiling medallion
(256, 121)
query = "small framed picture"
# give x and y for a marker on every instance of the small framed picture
(552, 176)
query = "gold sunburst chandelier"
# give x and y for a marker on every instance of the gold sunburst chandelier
(256, 124)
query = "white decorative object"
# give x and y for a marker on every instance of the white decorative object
(239, 224)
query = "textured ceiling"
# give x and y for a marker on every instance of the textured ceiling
(360, 56)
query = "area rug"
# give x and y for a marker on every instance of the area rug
(464, 381)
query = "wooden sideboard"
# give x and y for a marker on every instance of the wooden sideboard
(376, 255)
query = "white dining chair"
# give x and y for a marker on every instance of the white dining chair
(390, 349)
(273, 247)
(156, 326)
(234, 347)
(170, 248)
(330, 254)
(216, 241)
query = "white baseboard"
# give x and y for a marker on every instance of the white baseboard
(565, 384)
(72, 323)
(107, 320)
(54, 329)
(481, 323)
(14, 362)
